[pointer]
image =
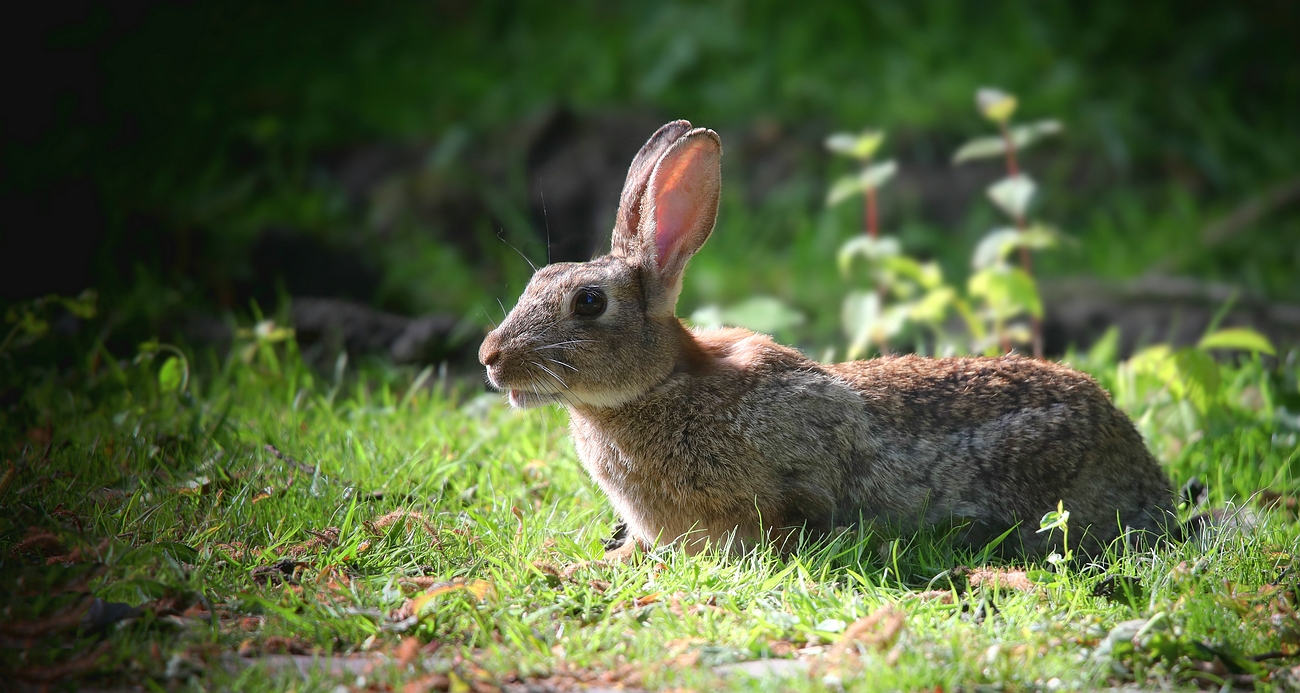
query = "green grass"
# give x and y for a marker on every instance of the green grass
(175, 502)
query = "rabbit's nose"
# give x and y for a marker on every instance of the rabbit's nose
(490, 351)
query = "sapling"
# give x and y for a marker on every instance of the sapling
(862, 147)
(1007, 290)
(916, 291)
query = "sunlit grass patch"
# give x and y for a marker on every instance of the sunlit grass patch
(269, 523)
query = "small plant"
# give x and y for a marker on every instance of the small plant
(905, 291)
(174, 374)
(260, 339)
(1058, 519)
(864, 315)
(31, 320)
(1009, 291)
(1191, 374)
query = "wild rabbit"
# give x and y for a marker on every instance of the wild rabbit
(725, 438)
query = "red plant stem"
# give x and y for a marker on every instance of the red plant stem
(1013, 168)
(872, 217)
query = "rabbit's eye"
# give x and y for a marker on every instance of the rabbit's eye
(589, 302)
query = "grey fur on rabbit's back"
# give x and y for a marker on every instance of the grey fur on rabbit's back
(717, 437)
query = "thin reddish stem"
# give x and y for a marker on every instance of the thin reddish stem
(1013, 167)
(872, 216)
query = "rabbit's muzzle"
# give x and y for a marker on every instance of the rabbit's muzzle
(507, 371)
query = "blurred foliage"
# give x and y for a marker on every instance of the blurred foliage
(212, 120)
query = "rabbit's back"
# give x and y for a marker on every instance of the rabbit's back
(999, 441)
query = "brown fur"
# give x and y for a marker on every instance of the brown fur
(716, 437)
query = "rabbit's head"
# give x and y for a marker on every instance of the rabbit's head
(601, 333)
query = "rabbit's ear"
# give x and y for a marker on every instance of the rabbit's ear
(680, 206)
(628, 222)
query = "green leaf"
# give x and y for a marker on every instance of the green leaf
(1040, 237)
(861, 313)
(994, 248)
(1013, 194)
(859, 146)
(1007, 290)
(182, 553)
(867, 323)
(933, 307)
(1106, 348)
(897, 267)
(1043, 577)
(1025, 135)
(1021, 137)
(83, 306)
(1197, 379)
(1150, 359)
(760, 314)
(995, 104)
(1238, 338)
(843, 188)
(980, 148)
(877, 175)
(1190, 374)
(873, 250)
(169, 376)
(866, 179)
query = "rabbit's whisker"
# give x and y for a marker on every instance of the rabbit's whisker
(566, 365)
(551, 373)
(557, 345)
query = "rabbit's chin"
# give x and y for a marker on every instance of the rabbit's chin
(529, 399)
(520, 399)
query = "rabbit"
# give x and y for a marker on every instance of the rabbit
(724, 438)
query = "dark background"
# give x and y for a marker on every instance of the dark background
(197, 163)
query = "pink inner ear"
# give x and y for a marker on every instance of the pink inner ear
(682, 189)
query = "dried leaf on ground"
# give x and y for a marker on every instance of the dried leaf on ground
(1000, 579)
(68, 515)
(233, 550)
(320, 540)
(82, 554)
(38, 541)
(414, 520)
(675, 605)
(281, 571)
(424, 684)
(67, 619)
(334, 579)
(407, 651)
(877, 631)
(564, 678)
(278, 644)
(75, 666)
(480, 589)
(572, 569)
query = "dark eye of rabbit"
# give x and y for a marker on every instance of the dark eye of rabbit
(589, 302)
